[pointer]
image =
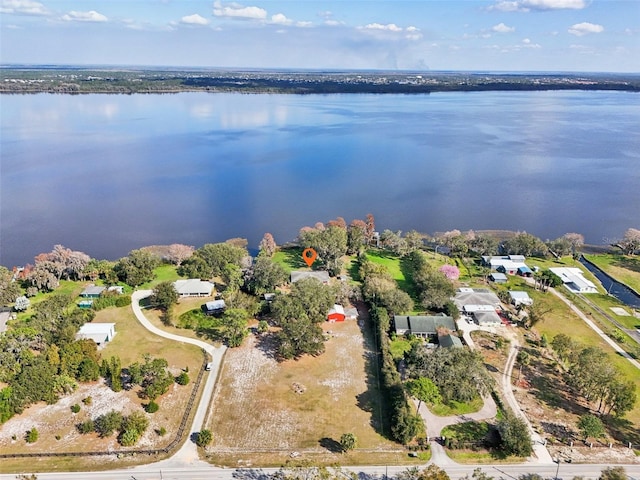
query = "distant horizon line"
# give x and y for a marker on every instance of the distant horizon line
(54, 66)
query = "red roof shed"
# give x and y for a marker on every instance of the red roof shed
(336, 314)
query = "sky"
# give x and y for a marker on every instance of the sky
(471, 35)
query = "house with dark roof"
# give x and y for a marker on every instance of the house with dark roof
(422, 325)
(449, 341)
(214, 307)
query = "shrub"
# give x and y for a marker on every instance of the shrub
(32, 435)
(75, 408)
(128, 438)
(152, 407)
(87, 400)
(204, 438)
(86, 427)
(161, 431)
(182, 379)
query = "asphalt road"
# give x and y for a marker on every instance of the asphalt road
(153, 472)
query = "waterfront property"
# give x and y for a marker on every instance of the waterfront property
(100, 333)
(498, 277)
(507, 264)
(193, 287)
(573, 279)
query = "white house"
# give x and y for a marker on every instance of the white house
(520, 298)
(573, 279)
(100, 333)
(193, 287)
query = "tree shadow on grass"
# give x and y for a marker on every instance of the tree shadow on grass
(331, 445)
(267, 343)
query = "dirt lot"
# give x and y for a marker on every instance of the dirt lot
(302, 406)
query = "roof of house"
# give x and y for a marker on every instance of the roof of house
(449, 340)
(96, 328)
(476, 296)
(488, 318)
(524, 269)
(215, 305)
(498, 276)
(337, 309)
(574, 276)
(92, 290)
(423, 324)
(193, 286)
(320, 275)
(518, 295)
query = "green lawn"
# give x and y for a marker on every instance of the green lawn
(163, 273)
(624, 268)
(456, 408)
(392, 263)
(290, 259)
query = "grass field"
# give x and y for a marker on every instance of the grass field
(561, 319)
(290, 259)
(624, 268)
(263, 410)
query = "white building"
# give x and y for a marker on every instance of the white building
(520, 298)
(193, 287)
(573, 279)
(100, 333)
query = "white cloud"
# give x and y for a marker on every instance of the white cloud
(390, 27)
(585, 28)
(280, 19)
(23, 7)
(91, 16)
(234, 10)
(528, 5)
(194, 19)
(527, 43)
(502, 28)
(304, 24)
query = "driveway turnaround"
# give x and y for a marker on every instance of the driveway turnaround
(188, 453)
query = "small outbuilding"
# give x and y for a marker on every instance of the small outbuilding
(92, 291)
(336, 314)
(520, 298)
(100, 333)
(449, 341)
(214, 307)
(498, 277)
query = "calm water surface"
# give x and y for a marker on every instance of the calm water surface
(105, 173)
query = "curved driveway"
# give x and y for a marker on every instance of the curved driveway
(188, 453)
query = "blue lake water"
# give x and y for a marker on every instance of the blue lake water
(105, 174)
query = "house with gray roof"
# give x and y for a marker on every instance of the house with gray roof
(193, 287)
(92, 291)
(449, 341)
(422, 325)
(321, 275)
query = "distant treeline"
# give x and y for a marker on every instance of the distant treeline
(74, 81)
